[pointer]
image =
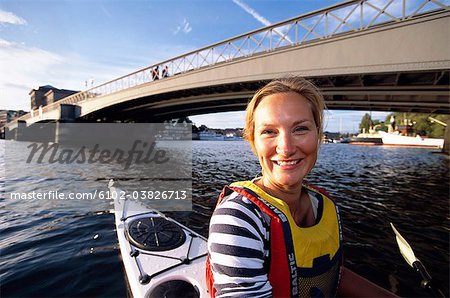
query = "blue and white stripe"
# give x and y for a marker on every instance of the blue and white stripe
(237, 246)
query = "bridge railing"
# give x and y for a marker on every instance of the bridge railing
(344, 18)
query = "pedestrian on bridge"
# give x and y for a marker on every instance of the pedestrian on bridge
(165, 72)
(155, 73)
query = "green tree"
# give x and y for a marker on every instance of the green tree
(380, 126)
(365, 123)
(421, 124)
(438, 130)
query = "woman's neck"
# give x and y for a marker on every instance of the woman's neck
(296, 199)
(289, 195)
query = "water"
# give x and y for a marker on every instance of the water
(69, 249)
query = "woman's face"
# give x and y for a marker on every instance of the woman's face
(286, 139)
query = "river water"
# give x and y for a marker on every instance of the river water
(69, 249)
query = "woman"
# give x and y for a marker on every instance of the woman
(278, 235)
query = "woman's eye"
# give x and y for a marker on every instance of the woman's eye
(267, 132)
(301, 129)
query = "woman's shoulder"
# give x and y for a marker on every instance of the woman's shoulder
(234, 197)
(236, 206)
(240, 191)
(239, 218)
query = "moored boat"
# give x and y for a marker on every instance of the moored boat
(210, 136)
(367, 139)
(395, 139)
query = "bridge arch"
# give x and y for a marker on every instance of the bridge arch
(361, 56)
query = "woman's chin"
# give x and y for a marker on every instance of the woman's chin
(289, 182)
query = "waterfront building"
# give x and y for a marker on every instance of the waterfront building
(47, 94)
(8, 116)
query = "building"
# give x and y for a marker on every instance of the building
(46, 95)
(8, 116)
(38, 97)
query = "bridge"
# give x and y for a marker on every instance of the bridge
(390, 57)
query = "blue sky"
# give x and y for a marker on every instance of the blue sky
(66, 43)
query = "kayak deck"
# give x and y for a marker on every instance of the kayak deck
(162, 258)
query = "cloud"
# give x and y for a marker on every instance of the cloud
(334, 121)
(376, 11)
(184, 27)
(253, 13)
(7, 17)
(187, 27)
(281, 31)
(221, 120)
(348, 121)
(106, 12)
(25, 68)
(21, 66)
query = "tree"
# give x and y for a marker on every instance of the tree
(366, 122)
(380, 126)
(438, 130)
(421, 123)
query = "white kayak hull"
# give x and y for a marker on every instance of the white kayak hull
(157, 271)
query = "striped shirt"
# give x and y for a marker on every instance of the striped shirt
(238, 246)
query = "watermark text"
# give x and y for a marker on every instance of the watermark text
(140, 153)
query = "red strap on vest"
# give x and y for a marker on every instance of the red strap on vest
(279, 273)
(210, 279)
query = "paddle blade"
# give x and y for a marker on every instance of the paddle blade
(405, 249)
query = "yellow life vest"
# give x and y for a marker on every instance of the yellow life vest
(304, 261)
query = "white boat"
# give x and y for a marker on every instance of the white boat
(210, 136)
(395, 139)
(232, 137)
(368, 139)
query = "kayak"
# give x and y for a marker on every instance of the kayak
(161, 257)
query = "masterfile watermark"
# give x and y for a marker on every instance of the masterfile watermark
(141, 152)
(101, 195)
(149, 150)
(74, 161)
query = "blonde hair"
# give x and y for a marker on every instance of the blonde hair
(298, 85)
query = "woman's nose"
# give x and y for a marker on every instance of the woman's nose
(285, 144)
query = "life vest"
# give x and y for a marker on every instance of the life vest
(303, 262)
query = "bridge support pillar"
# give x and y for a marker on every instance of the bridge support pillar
(61, 133)
(57, 132)
(446, 148)
(20, 134)
(69, 112)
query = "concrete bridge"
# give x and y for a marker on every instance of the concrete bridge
(363, 57)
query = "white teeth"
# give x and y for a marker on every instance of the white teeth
(283, 163)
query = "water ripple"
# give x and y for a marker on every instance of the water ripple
(64, 248)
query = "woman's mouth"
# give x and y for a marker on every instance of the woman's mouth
(287, 162)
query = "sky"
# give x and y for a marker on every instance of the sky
(66, 43)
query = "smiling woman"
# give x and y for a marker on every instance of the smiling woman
(278, 235)
(285, 143)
